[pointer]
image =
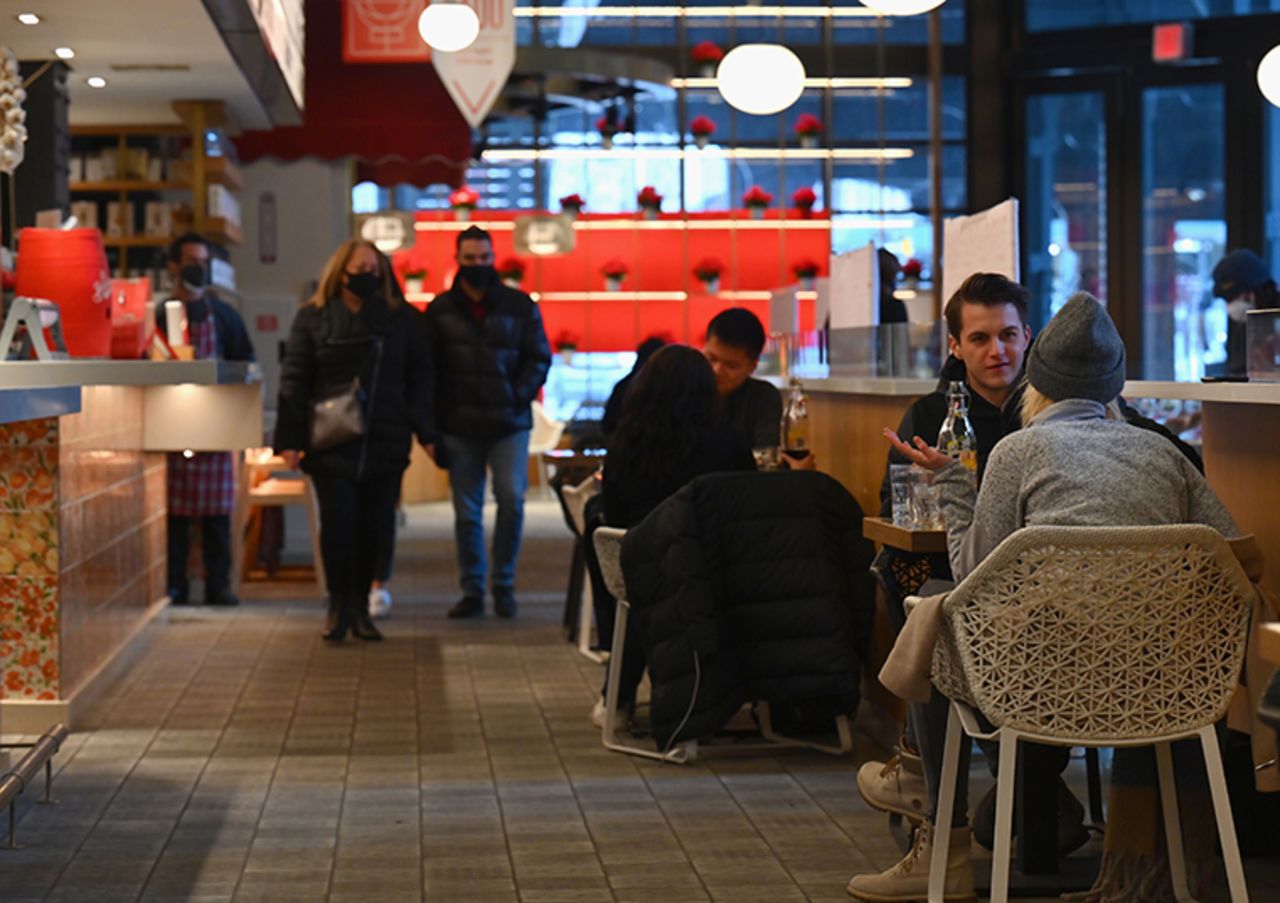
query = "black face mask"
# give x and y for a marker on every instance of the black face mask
(364, 286)
(478, 275)
(194, 276)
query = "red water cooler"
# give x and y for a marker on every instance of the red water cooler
(69, 267)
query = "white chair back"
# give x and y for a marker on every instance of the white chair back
(575, 501)
(608, 542)
(1124, 634)
(546, 432)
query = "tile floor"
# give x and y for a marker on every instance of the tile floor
(242, 759)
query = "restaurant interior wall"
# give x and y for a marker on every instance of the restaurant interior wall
(1138, 176)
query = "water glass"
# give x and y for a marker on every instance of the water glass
(766, 457)
(901, 481)
(926, 511)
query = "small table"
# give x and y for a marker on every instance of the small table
(885, 531)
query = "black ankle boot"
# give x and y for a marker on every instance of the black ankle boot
(338, 622)
(362, 627)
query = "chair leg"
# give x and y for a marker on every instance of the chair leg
(1005, 783)
(615, 673)
(946, 807)
(585, 611)
(1094, 769)
(1222, 812)
(1172, 822)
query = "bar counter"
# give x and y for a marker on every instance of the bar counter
(82, 512)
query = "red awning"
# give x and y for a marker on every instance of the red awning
(397, 119)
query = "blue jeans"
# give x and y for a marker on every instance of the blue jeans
(508, 459)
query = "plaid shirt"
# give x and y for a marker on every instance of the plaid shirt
(204, 484)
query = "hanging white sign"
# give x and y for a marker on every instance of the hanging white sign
(476, 75)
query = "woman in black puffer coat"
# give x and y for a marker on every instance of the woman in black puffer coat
(357, 326)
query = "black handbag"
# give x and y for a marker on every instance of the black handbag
(339, 416)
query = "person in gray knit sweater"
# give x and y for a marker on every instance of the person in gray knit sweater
(1076, 462)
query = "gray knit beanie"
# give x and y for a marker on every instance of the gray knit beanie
(1079, 354)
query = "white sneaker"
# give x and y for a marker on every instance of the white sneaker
(379, 603)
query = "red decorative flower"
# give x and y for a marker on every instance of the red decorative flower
(702, 125)
(464, 197)
(614, 269)
(573, 200)
(706, 53)
(605, 127)
(565, 340)
(806, 268)
(804, 198)
(912, 268)
(755, 196)
(511, 268)
(649, 197)
(808, 124)
(708, 268)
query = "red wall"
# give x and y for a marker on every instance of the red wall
(660, 256)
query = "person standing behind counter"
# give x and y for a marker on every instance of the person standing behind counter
(355, 327)
(202, 486)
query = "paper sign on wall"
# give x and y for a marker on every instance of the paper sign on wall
(475, 76)
(784, 311)
(855, 288)
(985, 242)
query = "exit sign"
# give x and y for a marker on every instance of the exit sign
(1170, 42)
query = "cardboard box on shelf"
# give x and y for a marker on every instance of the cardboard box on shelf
(136, 162)
(75, 168)
(86, 213)
(155, 169)
(157, 218)
(222, 203)
(119, 219)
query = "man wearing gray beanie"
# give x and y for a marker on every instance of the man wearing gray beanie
(1075, 462)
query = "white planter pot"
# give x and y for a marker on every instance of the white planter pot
(809, 140)
(808, 283)
(462, 214)
(756, 211)
(606, 141)
(569, 212)
(707, 70)
(701, 140)
(566, 355)
(650, 212)
(414, 286)
(613, 283)
(711, 286)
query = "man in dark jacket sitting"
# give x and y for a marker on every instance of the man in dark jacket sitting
(491, 357)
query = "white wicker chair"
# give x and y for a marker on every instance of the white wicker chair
(575, 502)
(1080, 636)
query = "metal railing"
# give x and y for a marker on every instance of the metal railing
(14, 782)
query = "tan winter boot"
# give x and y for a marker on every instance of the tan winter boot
(895, 786)
(909, 880)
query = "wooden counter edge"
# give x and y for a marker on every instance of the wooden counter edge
(884, 531)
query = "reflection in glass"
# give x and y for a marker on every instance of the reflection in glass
(1183, 230)
(1066, 201)
(1046, 15)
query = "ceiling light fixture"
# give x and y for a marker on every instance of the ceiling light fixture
(760, 78)
(1269, 75)
(449, 27)
(64, 53)
(96, 81)
(902, 7)
(28, 18)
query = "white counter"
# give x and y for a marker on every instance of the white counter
(96, 372)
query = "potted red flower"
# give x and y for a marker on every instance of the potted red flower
(415, 280)
(511, 271)
(706, 55)
(803, 200)
(756, 199)
(614, 272)
(571, 205)
(565, 343)
(607, 130)
(911, 271)
(702, 128)
(808, 129)
(464, 201)
(650, 201)
(709, 270)
(806, 271)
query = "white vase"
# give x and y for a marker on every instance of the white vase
(462, 214)
(650, 212)
(613, 283)
(569, 212)
(606, 141)
(707, 70)
(809, 140)
(712, 286)
(755, 211)
(414, 286)
(566, 355)
(701, 140)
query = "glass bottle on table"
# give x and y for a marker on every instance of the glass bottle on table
(956, 439)
(795, 423)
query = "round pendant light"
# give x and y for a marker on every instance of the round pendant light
(902, 7)
(760, 78)
(1269, 75)
(449, 27)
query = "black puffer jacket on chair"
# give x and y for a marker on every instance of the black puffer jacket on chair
(763, 577)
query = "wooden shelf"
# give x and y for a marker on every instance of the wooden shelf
(221, 171)
(222, 231)
(166, 128)
(127, 186)
(136, 241)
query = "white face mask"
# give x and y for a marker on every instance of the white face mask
(1237, 309)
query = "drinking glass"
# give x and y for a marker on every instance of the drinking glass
(926, 512)
(901, 481)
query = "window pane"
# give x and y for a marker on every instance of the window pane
(906, 235)
(905, 111)
(1044, 15)
(865, 29)
(1066, 200)
(1184, 233)
(900, 184)
(1273, 187)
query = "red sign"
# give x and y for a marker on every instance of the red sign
(268, 323)
(1171, 42)
(383, 31)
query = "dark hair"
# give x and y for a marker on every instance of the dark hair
(187, 238)
(738, 328)
(990, 289)
(890, 267)
(670, 406)
(472, 233)
(647, 349)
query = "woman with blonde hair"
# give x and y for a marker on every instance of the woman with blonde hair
(355, 388)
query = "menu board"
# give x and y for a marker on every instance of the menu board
(855, 288)
(985, 242)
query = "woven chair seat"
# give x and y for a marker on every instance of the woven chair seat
(1107, 635)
